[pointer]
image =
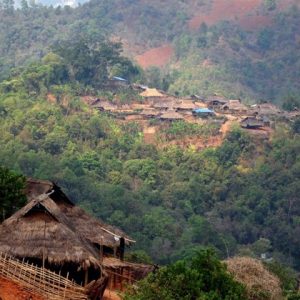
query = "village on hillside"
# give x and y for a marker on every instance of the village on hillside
(156, 108)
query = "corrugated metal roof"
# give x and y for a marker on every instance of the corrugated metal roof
(203, 110)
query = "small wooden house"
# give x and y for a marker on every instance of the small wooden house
(108, 239)
(215, 101)
(252, 123)
(108, 242)
(266, 109)
(203, 112)
(234, 107)
(184, 105)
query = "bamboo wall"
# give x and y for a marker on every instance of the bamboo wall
(50, 285)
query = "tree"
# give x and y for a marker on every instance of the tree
(12, 194)
(90, 62)
(203, 277)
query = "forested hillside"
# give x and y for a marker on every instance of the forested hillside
(243, 50)
(240, 197)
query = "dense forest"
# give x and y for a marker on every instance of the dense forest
(241, 197)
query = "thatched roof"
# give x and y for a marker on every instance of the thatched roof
(150, 112)
(89, 227)
(257, 279)
(266, 109)
(171, 115)
(216, 98)
(151, 93)
(185, 104)
(251, 122)
(40, 230)
(168, 104)
(235, 105)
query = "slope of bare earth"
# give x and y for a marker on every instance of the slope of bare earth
(248, 13)
(9, 290)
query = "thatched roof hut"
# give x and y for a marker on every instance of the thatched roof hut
(267, 109)
(41, 231)
(235, 106)
(184, 105)
(171, 116)
(164, 105)
(252, 123)
(215, 100)
(151, 93)
(88, 227)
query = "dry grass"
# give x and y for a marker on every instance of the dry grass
(260, 283)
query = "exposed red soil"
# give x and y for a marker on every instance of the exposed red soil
(12, 291)
(155, 57)
(225, 10)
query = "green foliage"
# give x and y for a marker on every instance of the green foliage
(202, 277)
(287, 276)
(270, 4)
(12, 195)
(181, 129)
(291, 102)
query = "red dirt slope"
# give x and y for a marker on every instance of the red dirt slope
(12, 291)
(225, 10)
(155, 57)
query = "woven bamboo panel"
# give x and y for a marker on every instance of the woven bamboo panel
(39, 280)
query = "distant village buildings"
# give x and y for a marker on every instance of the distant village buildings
(161, 106)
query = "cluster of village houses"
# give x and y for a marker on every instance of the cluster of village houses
(159, 105)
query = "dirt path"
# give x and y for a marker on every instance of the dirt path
(149, 134)
(12, 291)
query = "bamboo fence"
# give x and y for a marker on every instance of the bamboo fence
(40, 280)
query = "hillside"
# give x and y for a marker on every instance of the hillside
(245, 49)
(173, 183)
(172, 199)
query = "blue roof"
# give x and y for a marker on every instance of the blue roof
(119, 78)
(203, 110)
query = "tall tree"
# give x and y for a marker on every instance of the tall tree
(12, 195)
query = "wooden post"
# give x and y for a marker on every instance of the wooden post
(86, 276)
(101, 250)
(122, 248)
(44, 242)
